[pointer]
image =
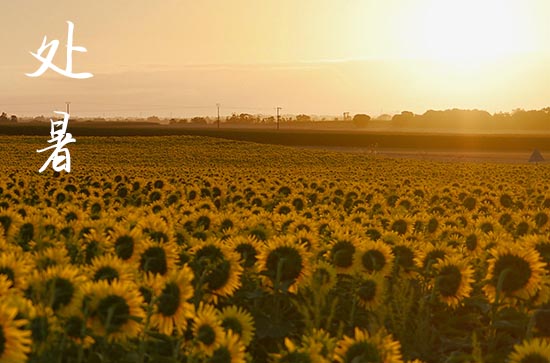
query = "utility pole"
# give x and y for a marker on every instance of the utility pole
(218, 106)
(68, 107)
(278, 116)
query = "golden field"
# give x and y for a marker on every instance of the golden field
(194, 249)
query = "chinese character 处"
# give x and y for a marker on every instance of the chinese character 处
(47, 61)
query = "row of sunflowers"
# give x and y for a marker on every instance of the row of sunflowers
(234, 252)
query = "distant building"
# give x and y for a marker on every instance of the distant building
(536, 157)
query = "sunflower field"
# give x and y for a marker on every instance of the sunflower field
(194, 249)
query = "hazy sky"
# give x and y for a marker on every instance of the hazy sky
(180, 57)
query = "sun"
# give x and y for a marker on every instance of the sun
(472, 30)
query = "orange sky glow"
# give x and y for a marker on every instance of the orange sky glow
(176, 58)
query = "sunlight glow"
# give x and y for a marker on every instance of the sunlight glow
(473, 30)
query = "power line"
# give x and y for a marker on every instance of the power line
(278, 116)
(218, 106)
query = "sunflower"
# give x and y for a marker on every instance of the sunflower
(239, 322)
(342, 252)
(43, 324)
(247, 247)
(365, 348)
(59, 287)
(227, 221)
(303, 223)
(473, 243)
(404, 262)
(172, 308)
(217, 267)
(229, 350)
(72, 213)
(284, 263)
(156, 258)
(155, 228)
(51, 256)
(376, 257)
(15, 342)
(9, 222)
(114, 309)
(453, 280)
(489, 224)
(323, 277)
(259, 227)
(524, 226)
(16, 267)
(541, 244)
(321, 341)
(531, 351)
(516, 270)
(369, 291)
(93, 244)
(305, 354)
(207, 329)
(109, 267)
(29, 230)
(429, 254)
(124, 241)
(75, 328)
(402, 225)
(6, 286)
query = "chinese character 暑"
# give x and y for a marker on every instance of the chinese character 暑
(60, 157)
(47, 62)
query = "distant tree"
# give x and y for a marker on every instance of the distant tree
(243, 118)
(13, 118)
(269, 119)
(303, 118)
(198, 121)
(153, 119)
(361, 120)
(404, 118)
(4, 117)
(383, 117)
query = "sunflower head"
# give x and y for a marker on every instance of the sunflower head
(124, 241)
(172, 307)
(216, 267)
(229, 349)
(207, 329)
(284, 263)
(453, 280)
(366, 348)
(531, 351)
(514, 272)
(115, 309)
(369, 291)
(299, 354)
(156, 258)
(404, 261)
(15, 341)
(239, 322)
(376, 257)
(109, 268)
(343, 253)
(248, 249)
(59, 288)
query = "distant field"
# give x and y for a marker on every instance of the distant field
(368, 140)
(277, 252)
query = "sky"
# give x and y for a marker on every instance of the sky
(179, 58)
